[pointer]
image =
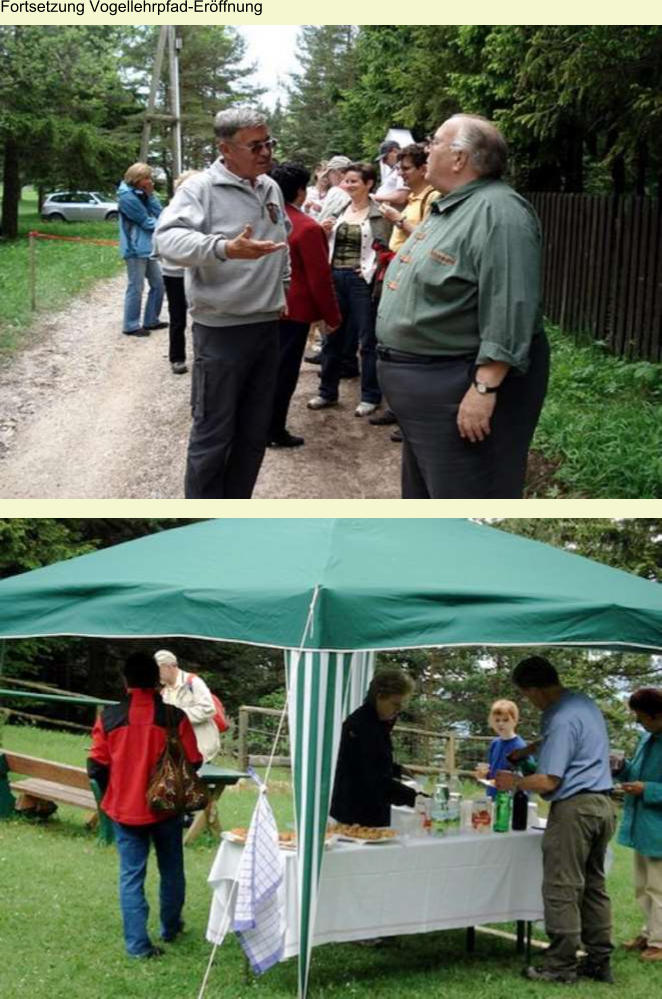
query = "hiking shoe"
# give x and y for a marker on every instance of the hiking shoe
(383, 419)
(178, 932)
(396, 436)
(598, 972)
(319, 402)
(652, 954)
(543, 975)
(179, 367)
(158, 326)
(365, 408)
(314, 358)
(639, 943)
(141, 331)
(152, 952)
(285, 439)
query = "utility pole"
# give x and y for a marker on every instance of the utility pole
(167, 35)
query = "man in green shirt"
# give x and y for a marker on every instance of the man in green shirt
(463, 358)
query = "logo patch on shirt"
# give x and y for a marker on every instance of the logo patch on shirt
(274, 212)
(392, 285)
(442, 258)
(419, 234)
(405, 258)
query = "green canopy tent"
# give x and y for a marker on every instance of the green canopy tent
(331, 593)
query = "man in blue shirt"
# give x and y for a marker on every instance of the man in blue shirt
(574, 776)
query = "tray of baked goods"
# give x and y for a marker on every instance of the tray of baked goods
(286, 840)
(365, 834)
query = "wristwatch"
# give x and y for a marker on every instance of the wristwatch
(484, 389)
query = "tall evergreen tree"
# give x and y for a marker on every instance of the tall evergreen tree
(54, 123)
(314, 127)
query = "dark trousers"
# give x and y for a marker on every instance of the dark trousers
(439, 464)
(577, 907)
(293, 337)
(174, 288)
(232, 391)
(357, 327)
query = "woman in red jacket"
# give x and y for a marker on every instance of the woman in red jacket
(311, 297)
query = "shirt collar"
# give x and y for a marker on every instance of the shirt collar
(245, 181)
(460, 194)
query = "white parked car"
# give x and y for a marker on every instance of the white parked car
(78, 206)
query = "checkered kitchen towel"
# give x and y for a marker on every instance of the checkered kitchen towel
(258, 919)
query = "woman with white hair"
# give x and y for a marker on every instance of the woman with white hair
(190, 693)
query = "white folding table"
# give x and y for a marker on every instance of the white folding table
(406, 886)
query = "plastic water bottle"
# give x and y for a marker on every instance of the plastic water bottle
(502, 808)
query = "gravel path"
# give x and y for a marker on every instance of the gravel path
(88, 413)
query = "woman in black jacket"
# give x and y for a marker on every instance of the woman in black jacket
(366, 782)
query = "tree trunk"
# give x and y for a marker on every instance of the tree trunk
(11, 190)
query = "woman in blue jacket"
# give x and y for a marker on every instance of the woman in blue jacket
(139, 210)
(641, 826)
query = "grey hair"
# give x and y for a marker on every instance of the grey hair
(227, 123)
(165, 658)
(484, 143)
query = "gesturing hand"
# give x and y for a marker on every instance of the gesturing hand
(243, 247)
(635, 787)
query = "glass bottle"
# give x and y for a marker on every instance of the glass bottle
(502, 807)
(520, 809)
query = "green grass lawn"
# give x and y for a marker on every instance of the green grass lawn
(60, 933)
(63, 269)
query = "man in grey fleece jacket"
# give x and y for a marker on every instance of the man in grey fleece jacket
(228, 227)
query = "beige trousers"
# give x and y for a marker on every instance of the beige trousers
(648, 893)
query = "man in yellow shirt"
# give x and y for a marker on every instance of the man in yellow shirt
(412, 161)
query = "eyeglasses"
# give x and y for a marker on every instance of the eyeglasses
(436, 141)
(256, 147)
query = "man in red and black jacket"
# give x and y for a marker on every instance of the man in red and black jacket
(127, 740)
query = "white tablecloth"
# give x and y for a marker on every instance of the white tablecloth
(410, 886)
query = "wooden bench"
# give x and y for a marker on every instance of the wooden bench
(45, 781)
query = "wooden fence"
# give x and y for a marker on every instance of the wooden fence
(424, 751)
(602, 269)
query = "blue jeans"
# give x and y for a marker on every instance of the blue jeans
(133, 849)
(358, 327)
(137, 269)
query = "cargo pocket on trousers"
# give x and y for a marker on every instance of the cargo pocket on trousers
(198, 390)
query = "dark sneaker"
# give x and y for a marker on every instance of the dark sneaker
(598, 972)
(141, 331)
(543, 975)
(179, 367)
(152, 952)
(286, 439)
(175, 935)
(383, 419)
(315, 358)
(158, 326)
(396, 436)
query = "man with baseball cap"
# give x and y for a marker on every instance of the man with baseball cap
(392, 188)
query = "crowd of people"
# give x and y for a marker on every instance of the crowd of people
(419, 274)
(569, 765)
